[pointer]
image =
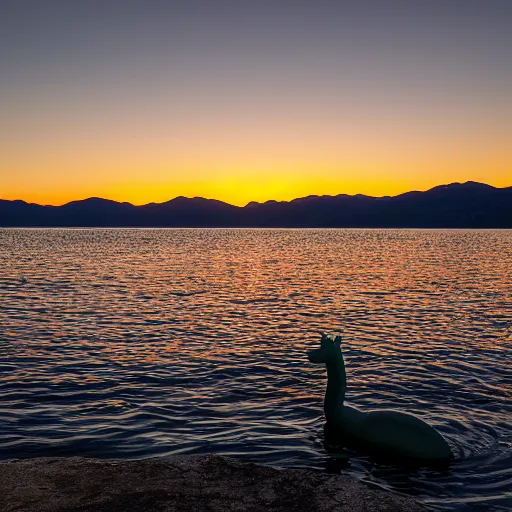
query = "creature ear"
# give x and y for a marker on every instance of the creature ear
(337, 342)
(325, 339)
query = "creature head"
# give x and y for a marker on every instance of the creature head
(329, 349)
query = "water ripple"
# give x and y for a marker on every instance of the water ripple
(137, 343)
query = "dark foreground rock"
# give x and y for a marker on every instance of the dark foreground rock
(195, 483)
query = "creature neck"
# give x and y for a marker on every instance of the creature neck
(336, 387)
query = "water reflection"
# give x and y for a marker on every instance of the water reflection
(133, 343)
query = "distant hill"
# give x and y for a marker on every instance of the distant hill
(458, 205)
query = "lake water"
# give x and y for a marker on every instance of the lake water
(139, 343)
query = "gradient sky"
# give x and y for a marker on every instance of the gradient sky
(252, 99)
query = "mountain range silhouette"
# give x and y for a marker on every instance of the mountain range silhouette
(457, 205)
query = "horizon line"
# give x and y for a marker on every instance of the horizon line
(256, 202)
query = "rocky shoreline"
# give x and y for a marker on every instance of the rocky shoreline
(183, 483)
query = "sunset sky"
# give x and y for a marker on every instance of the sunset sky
(246, 100)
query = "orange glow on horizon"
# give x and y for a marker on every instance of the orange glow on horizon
(240, 191)
(255, 166)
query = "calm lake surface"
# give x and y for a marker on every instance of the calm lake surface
(139, 343)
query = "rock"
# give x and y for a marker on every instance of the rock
(194, 482)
